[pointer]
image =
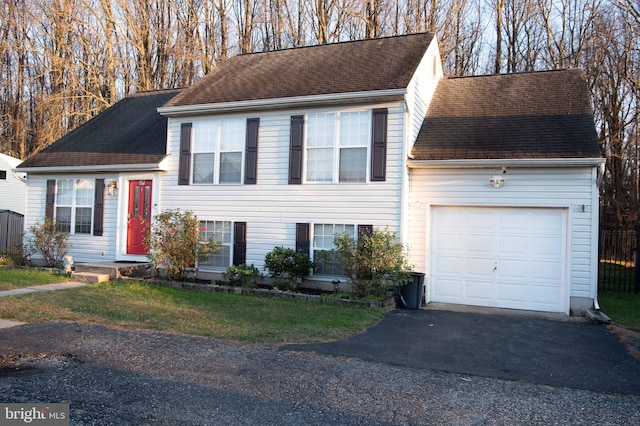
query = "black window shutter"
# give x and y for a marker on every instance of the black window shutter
(379, 145)
(303, 243)
(98, 208)
(251, 155)
(184, 167)
(239, 243)
(295, 149)
(364, 230)
(51, 198)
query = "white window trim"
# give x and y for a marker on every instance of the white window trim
(312, 248)
(74, 205)
(217, 152)
(336, 149)
(212, 268)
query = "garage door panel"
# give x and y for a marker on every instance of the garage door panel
(477, 243)
(449, 288)
(448, 243)
(549, 222)
(510, 245)
(481, 220)
(549, 246)
(552, 271)
(513, 221)
(448, 265)
(500, 257)
(451, 222)
(479, 267)
(513, 269)
(511, 292)
(478, 290)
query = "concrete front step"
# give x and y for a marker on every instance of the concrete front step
(89, 277)
(114, 270)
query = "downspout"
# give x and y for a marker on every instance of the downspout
(404, 188)
(596, 197)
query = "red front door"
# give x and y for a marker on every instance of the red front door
(139, 216)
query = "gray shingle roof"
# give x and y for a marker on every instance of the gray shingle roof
(510, 116)
(356, 66)
(129, 132)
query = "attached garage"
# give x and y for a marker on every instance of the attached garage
(500, 257)
(503, 193)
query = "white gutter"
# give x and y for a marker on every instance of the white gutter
(95, 168)
(281, 102)
(524, 162)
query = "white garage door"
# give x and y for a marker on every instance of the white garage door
(499, 257)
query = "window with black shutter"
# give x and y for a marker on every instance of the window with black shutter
(184, 167)
(251, 155)
(239, 243)
(379, 145)
(98, 208)
(295, 149)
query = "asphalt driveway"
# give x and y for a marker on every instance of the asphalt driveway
(573, 354)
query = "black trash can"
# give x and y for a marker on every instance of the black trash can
(411, 293)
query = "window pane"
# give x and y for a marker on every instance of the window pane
(203, 168)
(84, 192)
(219, 259)
(320, 130)
(354, 128)
(230, 167)
(326, 263)
(83, 220)
(353, 164)
(323, 257)
(221, 231)
(320, 165)
(232, 135)
(205, 135)
(64, 192)
(63, 219)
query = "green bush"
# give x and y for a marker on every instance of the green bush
(244, 275)
(175, 244)
(287, 267)
(373, 262)
(48, 241)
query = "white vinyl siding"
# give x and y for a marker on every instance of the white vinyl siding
(272, 207)
(13, 191)
(569, 189)
(83, 247)
(421, 89)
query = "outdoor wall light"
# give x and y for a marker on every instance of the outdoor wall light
(111, 188)
(497, 181)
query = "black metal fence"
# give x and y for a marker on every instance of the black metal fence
(617, 269)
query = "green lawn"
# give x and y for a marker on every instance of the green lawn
(221, 315)
(18, 278)
(622, 308)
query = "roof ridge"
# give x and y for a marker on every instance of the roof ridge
(337, 43)
(154, 91)
(514, 73)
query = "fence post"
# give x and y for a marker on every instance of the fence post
(636, 261)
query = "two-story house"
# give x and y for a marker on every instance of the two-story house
(491, 182)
